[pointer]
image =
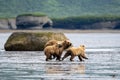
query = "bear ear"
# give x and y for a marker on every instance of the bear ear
(65, 40)
(83, 45)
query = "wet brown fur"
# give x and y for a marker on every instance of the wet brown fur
(55, 51)
(52, 50)
(73, 51)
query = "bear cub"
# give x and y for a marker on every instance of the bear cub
(76, 51)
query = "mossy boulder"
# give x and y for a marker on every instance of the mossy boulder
(34, 41)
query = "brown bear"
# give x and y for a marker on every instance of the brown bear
(51, 42)
(67, 43)
(73, 51)
(62, 46)
(52, 50)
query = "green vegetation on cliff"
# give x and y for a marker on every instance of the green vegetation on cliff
(64, 13)
(37, 14)
(60, 8)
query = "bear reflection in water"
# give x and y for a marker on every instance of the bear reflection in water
(67, 69)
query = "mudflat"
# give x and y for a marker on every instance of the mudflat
(63, 30)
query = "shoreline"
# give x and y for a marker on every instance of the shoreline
(62, 30)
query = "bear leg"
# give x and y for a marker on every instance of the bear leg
(58, 58)
(83, 56)
(80, 58)
(66, 55)
(72, 57)
(53, 56)
(48, 56)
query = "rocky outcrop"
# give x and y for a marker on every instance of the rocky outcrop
(7, 24)
(26, 22)
(81, 24)
(23, 41)
(30, 21)
(33, 22)
(102, 25)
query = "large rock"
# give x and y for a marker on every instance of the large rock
(7, 23)
(30, 21)
(23, 41)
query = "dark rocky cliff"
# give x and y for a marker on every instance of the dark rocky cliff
(8, 24)
(26, 22)
(40, 22)
(86, 24)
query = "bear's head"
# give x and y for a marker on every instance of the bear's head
(67, 44)
(82, 46)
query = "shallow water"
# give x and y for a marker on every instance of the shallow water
(3, 38)
(103, 62)
(32, 66)
(95, 40)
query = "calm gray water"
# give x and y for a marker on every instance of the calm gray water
(103, 51)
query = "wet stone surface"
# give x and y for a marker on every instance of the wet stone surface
(101, 65)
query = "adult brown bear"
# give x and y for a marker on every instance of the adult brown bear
(66, 43)
(51, 49)
(51, 42)
(73, 51)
